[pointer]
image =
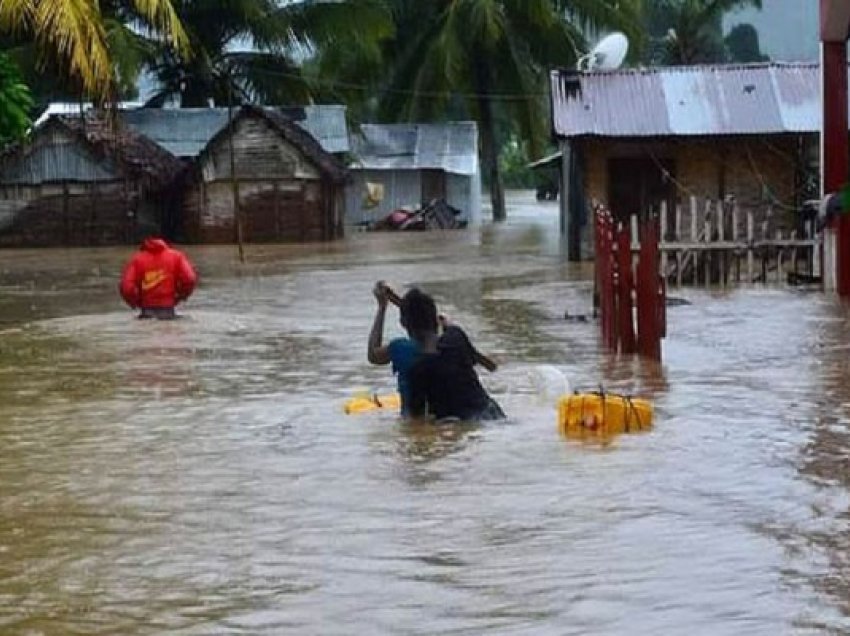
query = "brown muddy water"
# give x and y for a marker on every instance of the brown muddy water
(199, 476)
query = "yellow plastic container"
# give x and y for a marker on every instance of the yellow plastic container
(595, 415)
(364, 403)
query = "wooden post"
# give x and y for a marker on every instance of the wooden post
(835, 146)
(605, 277)
(234, 183)
(735, 235)
(794, 253)
(780, 252)
(678, 238)
(694, 237)
(663, 239)
(707, 239)
(625, 284)
(634, 229)
(750, 241)
(721, 236)
(649, 311)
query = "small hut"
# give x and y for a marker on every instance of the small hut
(81, 181)
(287, 187)
(410, 165)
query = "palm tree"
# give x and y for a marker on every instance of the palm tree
(486, 58)
(15, 102)
(689, 31)
(71, 34)
(254, 50)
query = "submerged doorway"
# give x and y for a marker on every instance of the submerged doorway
(637, 185)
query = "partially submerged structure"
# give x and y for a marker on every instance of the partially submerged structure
(185, 132)
(287, 187)
(78, 181)
(634, 138)
(409, 165)
(83, 180)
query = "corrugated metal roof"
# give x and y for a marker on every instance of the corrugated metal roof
(185, 132)
(452, 147)
(688, 101)
(71, 148)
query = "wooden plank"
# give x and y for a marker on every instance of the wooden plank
(677, 231)
(794, 253)
(634, 231)
(735, 218)
(707, 238)
(694, 237)
(750, 239)
(721, 231)
(678, 237)
(740, 245)
(663, 237)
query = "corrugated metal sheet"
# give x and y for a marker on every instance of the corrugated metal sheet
(687, 101)
(185, 132)
(403, 189)
(452, 147)
(56, 163)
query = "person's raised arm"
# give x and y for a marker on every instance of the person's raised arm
(475, 354)
(377, 353)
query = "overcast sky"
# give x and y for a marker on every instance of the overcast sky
(788, 29)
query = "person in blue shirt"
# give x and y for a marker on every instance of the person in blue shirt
(418, 316)
(402, 353)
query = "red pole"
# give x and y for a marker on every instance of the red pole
(624, 290)
(836, 148)
(649, 329)
(605, 276)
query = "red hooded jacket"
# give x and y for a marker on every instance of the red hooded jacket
(157, 276)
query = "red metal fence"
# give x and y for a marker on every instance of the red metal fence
(624, 287)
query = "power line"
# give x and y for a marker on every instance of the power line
(519, 97)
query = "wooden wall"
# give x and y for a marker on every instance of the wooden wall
(755, 171)
(282, 195)
(75, 214)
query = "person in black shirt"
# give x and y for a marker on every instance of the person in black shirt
(443, 382)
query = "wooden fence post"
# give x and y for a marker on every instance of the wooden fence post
(625, 284)
(648, 296)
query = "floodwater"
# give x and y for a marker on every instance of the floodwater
(199, 476)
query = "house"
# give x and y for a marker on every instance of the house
(408, 165)
(79, 181)
(287, 186)
(185, 132)
(634, 138)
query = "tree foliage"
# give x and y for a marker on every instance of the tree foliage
(742, 44)
(254, 50)
(483, 59)
(72, 35)
(688, 31)
(15, 102)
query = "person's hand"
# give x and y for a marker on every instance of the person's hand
(380, 293)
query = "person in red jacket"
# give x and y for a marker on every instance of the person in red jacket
(156, 279)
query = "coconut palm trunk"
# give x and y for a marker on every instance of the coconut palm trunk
(489, 152)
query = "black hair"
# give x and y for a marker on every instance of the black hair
(418, 312)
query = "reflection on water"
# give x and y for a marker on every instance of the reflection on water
(199, 477)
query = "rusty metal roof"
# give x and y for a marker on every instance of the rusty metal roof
(88, 148)
(687, 101)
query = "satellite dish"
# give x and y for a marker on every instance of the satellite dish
(607, 55)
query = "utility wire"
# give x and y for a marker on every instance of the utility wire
(400, 91)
